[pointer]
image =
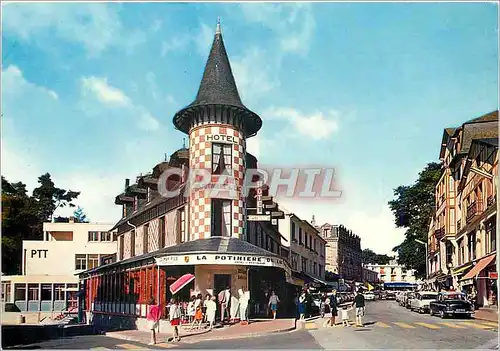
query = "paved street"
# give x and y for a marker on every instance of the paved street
(388, 326)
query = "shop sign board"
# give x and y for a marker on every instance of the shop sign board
(259, 197)
(223, 259)
(493, 275)
(258, 218)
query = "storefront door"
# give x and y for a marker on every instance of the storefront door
(221, 282)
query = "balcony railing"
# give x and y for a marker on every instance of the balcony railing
(439, 233)
(473, 210)
(492, 200)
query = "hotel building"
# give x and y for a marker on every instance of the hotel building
(161, 238)
(462, 235)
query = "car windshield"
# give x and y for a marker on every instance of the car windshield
(453, 297)
(428, 297)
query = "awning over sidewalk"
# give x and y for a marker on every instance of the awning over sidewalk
(461, 269)
(480, 265)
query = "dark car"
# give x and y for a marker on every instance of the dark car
(451, 304)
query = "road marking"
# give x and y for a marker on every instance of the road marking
(427, 325)
(383, 325)
(404, 325)
(452, 325)
(475, 325)
(127, 346)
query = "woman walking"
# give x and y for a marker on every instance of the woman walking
(333, 307)
(273, 303)
(302, 305)
(153, 319)
(198, 315)
(174, 315)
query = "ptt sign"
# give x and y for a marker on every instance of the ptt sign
(39, 252)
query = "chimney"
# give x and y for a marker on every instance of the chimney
(71, 219)
(127, 183)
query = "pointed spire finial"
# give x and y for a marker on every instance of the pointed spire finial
(183, 143)
(217, 31)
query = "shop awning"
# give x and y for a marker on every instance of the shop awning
(399, 285)
(480, 265)
(461, 269)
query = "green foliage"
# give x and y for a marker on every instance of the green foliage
(413, 208)
(23, 216)
(368, 256)
(80, 215)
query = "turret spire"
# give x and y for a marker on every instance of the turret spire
(217, 30)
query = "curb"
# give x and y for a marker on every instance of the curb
(132, 338)
(244, 336)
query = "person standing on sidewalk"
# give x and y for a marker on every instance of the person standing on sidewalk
(302, 305)
(333, 307)
(153, 319)
(174, 315)
(359, 303)
(273, 303)
(224, 298)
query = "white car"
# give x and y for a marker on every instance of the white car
(421, 301)
(369, 296)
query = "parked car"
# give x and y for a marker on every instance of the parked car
(422, 300)
(409, 296)
(369, 296)
(451, 304)
(390, 295)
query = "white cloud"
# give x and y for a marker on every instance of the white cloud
(292, 23)
(176, 43)
(317, 125)
(148, 122)
(96, 26)
(13, 82)
(104, 92)
(254, 75)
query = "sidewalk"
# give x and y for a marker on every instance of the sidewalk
(236, 331)
(487, 314)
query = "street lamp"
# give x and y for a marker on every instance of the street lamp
(426, 258)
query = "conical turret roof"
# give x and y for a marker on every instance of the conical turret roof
(218, 87)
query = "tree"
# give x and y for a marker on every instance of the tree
(80, 215)
(368, 256)
(413, 208)
(23, 216)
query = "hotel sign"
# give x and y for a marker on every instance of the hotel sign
(222, 138)
(259, 197)
(223, 259)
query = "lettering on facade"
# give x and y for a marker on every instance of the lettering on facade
(39, 252)
(259, 197)
(222, 138)
(247, 260)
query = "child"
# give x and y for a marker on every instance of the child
(344, 312)
(175, 318)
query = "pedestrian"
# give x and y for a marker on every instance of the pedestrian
(302, 305)
(174, 315)
(190, 309)
(359, 303)
(327, 312)
(333, 307)
(153, 318)
(224, 298)
(243, 303)
(344, 313)
(198, 314)
(273, 303)
(211, 310)
(204, 308)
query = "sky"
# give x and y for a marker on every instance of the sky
(89, 91)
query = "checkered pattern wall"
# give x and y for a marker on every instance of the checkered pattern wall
(200, 157)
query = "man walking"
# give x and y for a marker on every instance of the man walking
(224, 298)
(359, 303)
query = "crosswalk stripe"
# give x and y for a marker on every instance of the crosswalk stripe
(383, 325)
(475, 325)
(128, 347)
(427, 325)
(452, 325)
(404, 325)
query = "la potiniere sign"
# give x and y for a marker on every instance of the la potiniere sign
(242, 260)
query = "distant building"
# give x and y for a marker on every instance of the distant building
(343, 251)
(370, 276)
(392, 272)
(48, 282)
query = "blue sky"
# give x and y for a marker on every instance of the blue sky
(89, 91)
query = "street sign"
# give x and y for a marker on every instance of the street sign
(259, 197)
(256, 218)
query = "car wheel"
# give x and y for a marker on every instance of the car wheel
(441, 314)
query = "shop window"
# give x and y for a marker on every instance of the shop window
(93, 261)
(59, 292)
(93, 236)
(80, 262)
(19, 292)
(221, 217)
(33, 292)
(145, 238)
(221, 158)
(6, 292)
(46, 292)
